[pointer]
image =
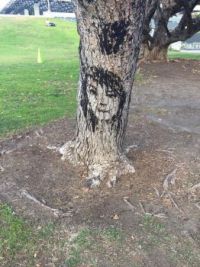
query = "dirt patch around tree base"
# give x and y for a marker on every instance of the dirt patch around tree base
(163, 141)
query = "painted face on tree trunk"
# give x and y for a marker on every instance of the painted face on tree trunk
(105, 94)
(103, 101)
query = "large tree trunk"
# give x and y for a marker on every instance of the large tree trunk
(154, 53)
(110, 33)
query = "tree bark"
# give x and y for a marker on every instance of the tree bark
(157, 36)
(155, 53)
(110, 35)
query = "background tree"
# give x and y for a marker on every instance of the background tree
(156, 41)
(110, 36)
(48, 6)
(18, 6)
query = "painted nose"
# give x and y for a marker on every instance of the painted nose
(102, 104)
(102, 100)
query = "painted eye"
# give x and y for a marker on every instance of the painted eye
(93, 90)
(111, 94)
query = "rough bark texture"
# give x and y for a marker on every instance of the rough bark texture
(156, 42)
(110, 34)
(155, 53)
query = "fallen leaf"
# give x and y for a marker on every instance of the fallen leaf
(115, 217)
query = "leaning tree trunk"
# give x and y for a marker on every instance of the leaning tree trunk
(110, 33)
(155, 44)
(154, 53)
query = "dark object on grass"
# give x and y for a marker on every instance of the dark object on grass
(50, 24)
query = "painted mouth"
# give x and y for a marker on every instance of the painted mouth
(103, 110)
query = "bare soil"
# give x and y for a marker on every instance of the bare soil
(163, 137)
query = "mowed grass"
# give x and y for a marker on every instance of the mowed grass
(183, 55)
(32, 93)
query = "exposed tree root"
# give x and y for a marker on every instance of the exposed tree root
(67, 152)
(157, 192)
(197, 206)
(98, 172)
(4, 152)
(2, 169)
(174, 203)
(194, 187)
(129, 148)
(158, 215)
(110, 171)
(142, 207)
(169, 180)
(126, 200)
(56, 212)
(54, 148)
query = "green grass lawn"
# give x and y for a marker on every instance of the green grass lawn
(183, 55)
(32, 93)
